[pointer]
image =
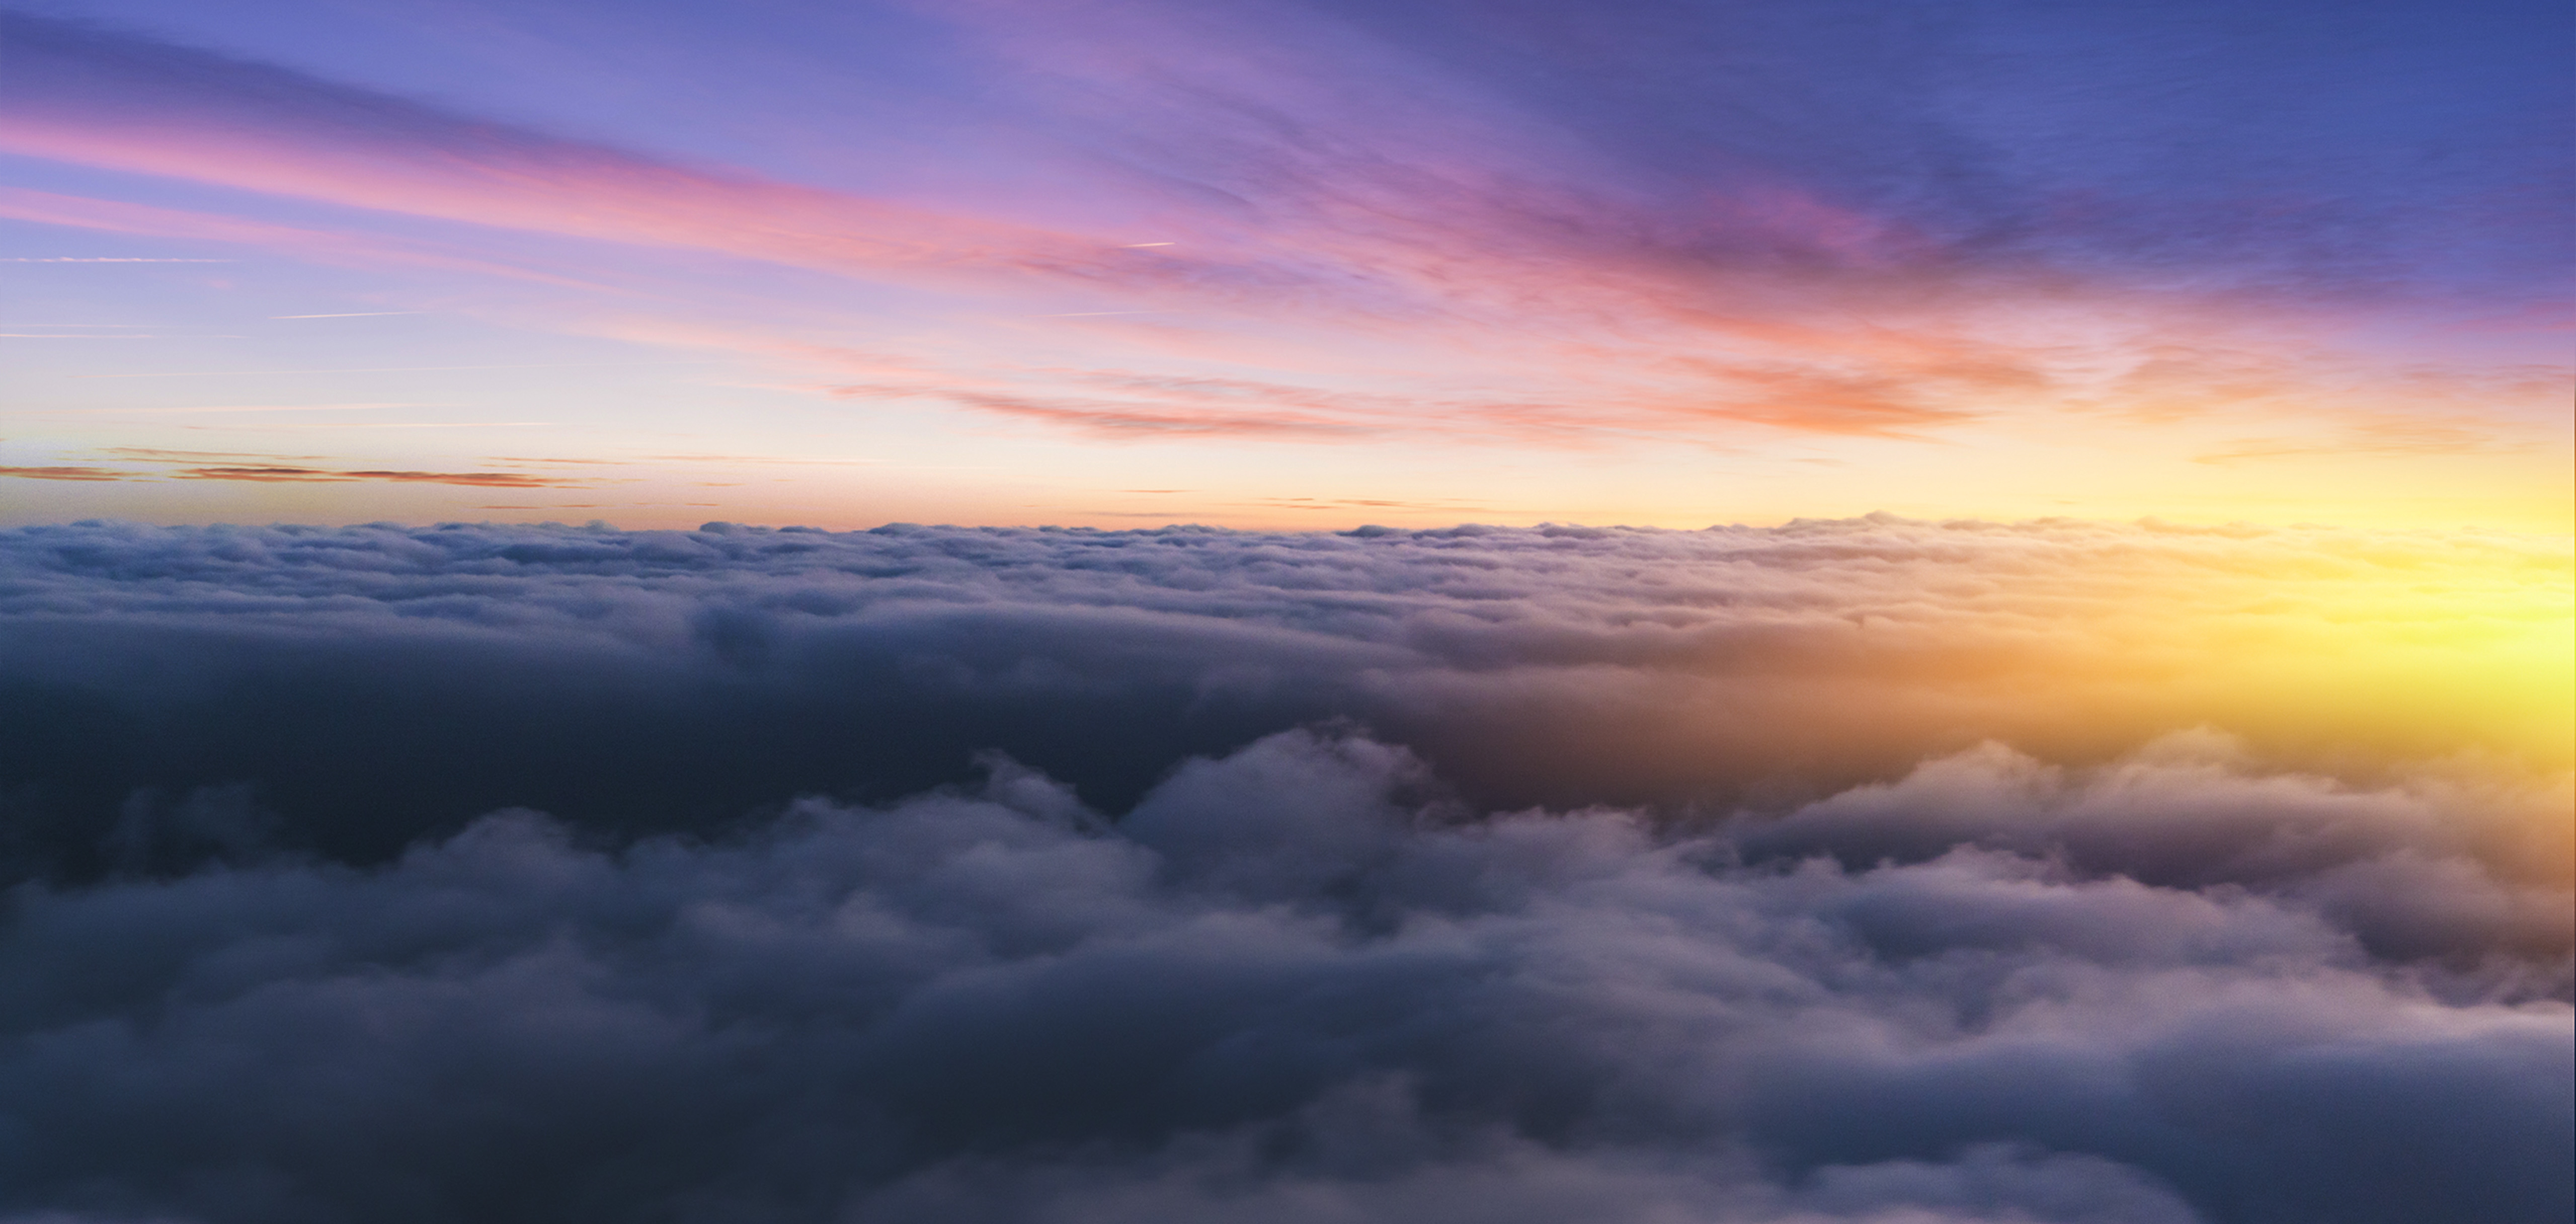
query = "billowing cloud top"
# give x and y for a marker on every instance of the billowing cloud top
(1859, 871)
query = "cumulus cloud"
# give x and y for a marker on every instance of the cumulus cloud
(1293, 984)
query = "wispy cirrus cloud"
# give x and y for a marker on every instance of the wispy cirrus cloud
(194, 409)
(1825, 242)
(87, 95)
(273, 474)
(63, 472)
(317, 246)
(164, 464)
(1457, 257)
(99, 259)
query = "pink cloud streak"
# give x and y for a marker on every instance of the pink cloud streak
(1422, 245)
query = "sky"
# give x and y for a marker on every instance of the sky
(1286, 265)
(1409, 612)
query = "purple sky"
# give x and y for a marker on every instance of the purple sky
(1276, 263)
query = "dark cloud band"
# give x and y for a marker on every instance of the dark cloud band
(1280, 989)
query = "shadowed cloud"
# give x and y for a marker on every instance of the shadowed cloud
(1291, 984)
(1477, 874)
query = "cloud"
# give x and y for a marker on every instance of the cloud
(1293, 983)
(1743, 224)
(1111, 418)
(87, 95)
(1477, 874)
(102, 258)
(63, 472)
(669, 680)
(273, 474)
(317, 246)
(279, 473)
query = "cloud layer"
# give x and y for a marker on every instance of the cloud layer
(1286, 987)
(1476, 874)
(373, 684)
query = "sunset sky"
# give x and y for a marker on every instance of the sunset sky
(1285, 265)
(1287, 612)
